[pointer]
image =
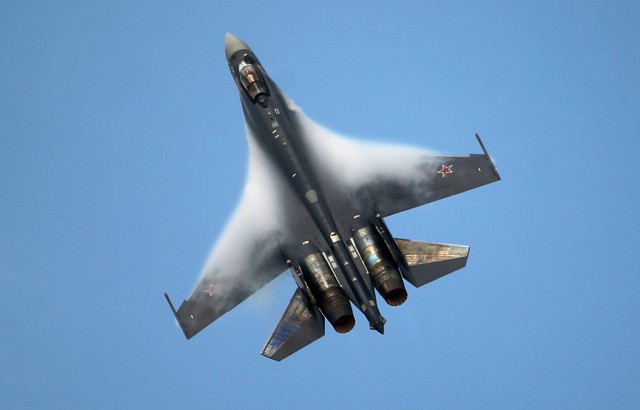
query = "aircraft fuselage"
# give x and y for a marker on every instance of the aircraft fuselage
(275, 127)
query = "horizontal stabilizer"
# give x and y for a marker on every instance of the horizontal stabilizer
(300, 325)
(429, 261)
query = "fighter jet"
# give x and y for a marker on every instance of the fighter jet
(329, 228)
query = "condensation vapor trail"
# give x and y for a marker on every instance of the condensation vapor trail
(345, 162)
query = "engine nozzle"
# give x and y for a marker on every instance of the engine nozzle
(381, 266)
(329, 296)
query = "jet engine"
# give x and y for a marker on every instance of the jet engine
(327, 292)
(380, 264)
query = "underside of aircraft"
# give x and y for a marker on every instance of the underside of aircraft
(322, 201)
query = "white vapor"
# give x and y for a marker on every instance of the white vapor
(260, 221)
(356, 162)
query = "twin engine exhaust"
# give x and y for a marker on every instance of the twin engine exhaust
(326, 290)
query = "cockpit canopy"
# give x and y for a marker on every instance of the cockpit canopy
(252, 80)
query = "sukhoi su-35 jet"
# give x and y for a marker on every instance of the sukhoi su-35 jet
(326, 227)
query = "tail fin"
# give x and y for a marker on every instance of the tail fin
(429, 261)
(300, 325)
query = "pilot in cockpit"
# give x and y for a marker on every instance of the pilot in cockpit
(252, 81)
(249, 74)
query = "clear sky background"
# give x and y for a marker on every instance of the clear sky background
(123, 153)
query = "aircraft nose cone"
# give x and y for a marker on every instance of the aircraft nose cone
(233, 44)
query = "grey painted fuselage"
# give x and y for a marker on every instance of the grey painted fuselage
(275, 127)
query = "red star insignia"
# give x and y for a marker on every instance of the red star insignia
(211, 290)
(446, 170)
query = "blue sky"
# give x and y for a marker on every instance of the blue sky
(123, 154)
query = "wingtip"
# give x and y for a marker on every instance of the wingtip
(481, 144)
(486, 154)
(175, 314)
(173, 309)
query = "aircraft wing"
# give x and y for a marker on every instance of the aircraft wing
(246, 257)
(434, 177)
(224, 287)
